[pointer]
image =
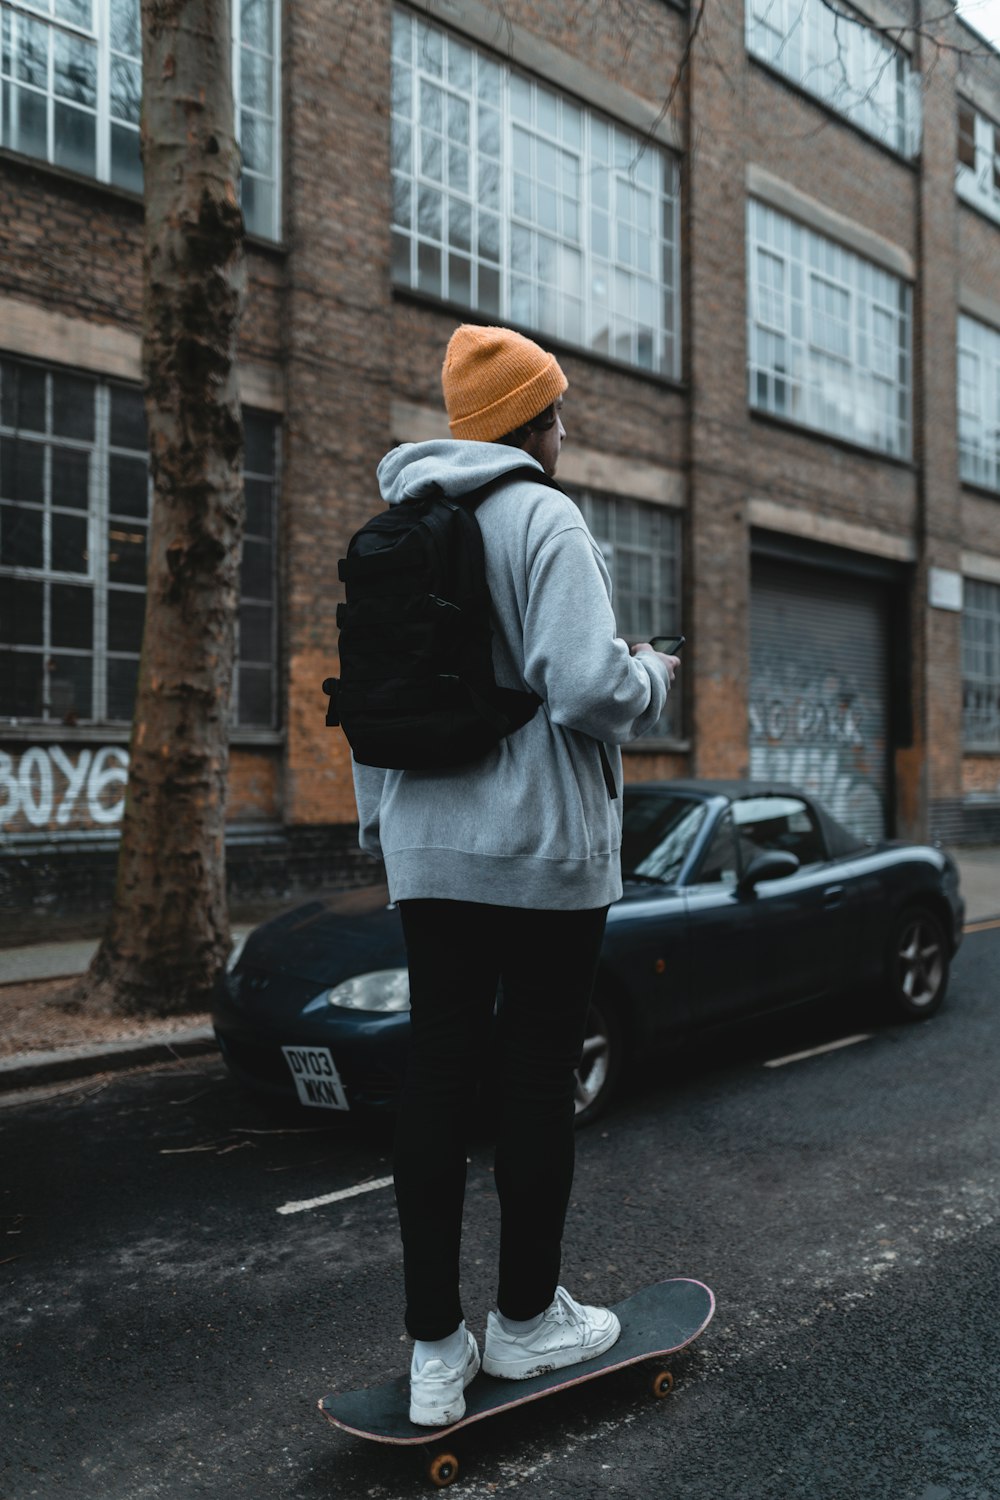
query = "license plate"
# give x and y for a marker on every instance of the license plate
(316, 1077)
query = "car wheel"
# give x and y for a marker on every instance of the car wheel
(600, 1066)
(918, 966)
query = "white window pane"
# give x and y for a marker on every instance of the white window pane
(520, 98)
(458, 168)
(74, 139)
(547, 111)
(431, 158)
(489, 237)
(458, 120)
(843, 363)
(31, 52)
(430, 105)
(525, 192)
(429, 212)
(126, 90)
(256, 81)
(489, 131)
(256, 140)
(460, 58)
(76, 12)
(429, 269)
(257, 24)
(459, 278)
(488, 80)
(125, 34)
(26, 122)
(459, 224)
(75, 69)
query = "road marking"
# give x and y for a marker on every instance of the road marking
(351, 1192)
(982, 926)
(845, 1041)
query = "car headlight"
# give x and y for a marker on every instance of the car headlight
(383, 990)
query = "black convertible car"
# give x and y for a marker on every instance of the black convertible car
(740, 899)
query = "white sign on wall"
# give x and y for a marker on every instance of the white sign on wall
(944, 589)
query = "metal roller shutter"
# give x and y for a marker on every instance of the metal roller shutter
(819, 688)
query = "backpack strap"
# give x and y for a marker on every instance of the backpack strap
(476, 497)
(609, 775)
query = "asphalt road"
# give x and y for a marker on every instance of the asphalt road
(165, 1331)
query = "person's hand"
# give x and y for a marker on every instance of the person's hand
(670, 662)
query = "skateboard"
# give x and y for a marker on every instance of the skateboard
(657, 1321)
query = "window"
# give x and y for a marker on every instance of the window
(658, 834)
(977, 169)
(981, 665)
(74, 522)
(641, 545)
(978, 403)
(256, 91)
(777, 823)
(720, 862)
(829, 335)
(519, 202)
(843, 62)
(71, 87)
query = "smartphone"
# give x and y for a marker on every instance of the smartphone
(670, 645)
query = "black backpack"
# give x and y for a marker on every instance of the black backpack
(417, 689)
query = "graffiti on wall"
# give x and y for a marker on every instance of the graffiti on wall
(51, 787)
(825, 734)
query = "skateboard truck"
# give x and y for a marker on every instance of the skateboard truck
(656, 1322)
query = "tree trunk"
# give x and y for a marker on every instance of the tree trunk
(168, 935)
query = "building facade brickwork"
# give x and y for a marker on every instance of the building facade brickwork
(793, 411)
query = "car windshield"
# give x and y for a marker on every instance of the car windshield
(658, 830)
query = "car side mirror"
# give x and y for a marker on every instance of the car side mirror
(773, 864)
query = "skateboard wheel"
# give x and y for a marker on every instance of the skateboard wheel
(443, 1470)
(663, 1384)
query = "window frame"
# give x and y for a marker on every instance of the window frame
(795, 52)
(531, 227)
(802, 382)
(101, 521)
(779, 807)
(724, 824)
(669, 558)
(981, 603)
(978, 342)
(978, 182)
(15, 14)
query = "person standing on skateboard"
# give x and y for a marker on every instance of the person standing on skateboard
(503, 872)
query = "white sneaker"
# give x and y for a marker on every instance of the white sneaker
(437, 1390)
(567, 1334)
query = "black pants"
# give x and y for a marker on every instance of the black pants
(457, 952)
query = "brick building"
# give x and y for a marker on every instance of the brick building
(764, 241)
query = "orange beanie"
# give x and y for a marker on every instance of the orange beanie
(495, 380)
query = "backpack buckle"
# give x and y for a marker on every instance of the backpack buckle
(331, 687)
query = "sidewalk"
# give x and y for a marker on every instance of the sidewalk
(44, 1041)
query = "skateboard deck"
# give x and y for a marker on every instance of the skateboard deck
(659, 1320)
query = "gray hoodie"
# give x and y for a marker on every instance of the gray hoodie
(532, 824)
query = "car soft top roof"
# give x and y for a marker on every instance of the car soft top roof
(839, 840)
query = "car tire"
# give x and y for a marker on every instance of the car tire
(917, 967)
(600, 1068)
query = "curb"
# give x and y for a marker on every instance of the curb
(33, 1069)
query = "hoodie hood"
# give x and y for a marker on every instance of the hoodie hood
(452, 466)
